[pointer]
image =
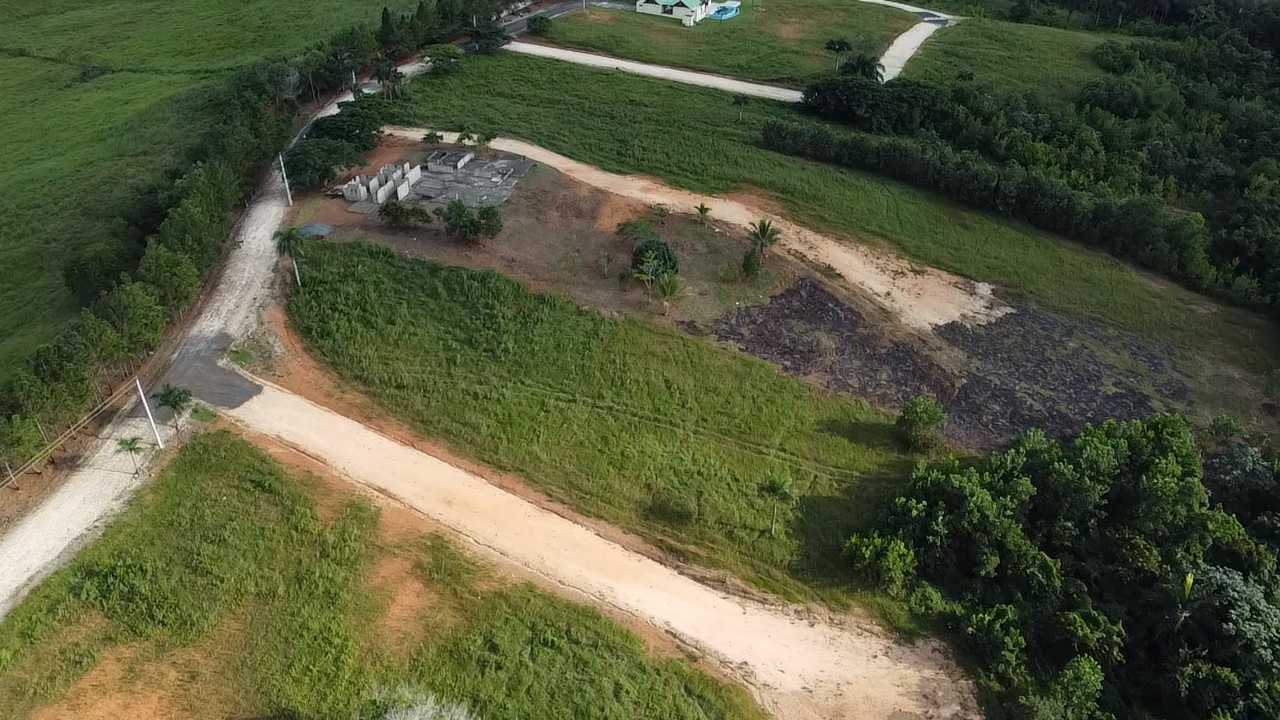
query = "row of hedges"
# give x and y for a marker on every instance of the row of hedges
(1186, 130)
(129, 301)
(1137, 228)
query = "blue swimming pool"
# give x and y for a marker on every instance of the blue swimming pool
(724, 12)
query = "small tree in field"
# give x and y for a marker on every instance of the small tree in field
(432, 138)
(839, 47)
(704, 213)
(670, 289)
(398, 215)
(778, 489)
(921, 424)
(764, 235)
(539, 25)
(176, 399)
(740, 102)
(467, 225)
(132, 446)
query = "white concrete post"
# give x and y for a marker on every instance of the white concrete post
(284, 176)
(151, 419)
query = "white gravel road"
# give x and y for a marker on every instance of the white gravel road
(905, 46)
(800, 668)
(768, 92)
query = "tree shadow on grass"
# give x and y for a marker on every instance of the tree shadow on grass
(821, 524)
(878, 436)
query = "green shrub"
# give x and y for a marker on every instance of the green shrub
(315, 161)
(539, 25)
(921, 424)
(885, 561)
(638, 231)
(664, 256)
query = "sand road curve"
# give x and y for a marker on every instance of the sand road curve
(799, 668)
(920, 297)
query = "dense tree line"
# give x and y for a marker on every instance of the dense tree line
(132, 288)
(1106, 577)
(1184, 132)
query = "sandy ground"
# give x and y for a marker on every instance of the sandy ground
(920, 297)
(800, 667)
(905, 46)
(687, 77)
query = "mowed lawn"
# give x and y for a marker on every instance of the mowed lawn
(77, 152)
(1012, 56)
(698, 139)
(778, 41)
(236, 585)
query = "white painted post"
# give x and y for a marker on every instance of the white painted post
(151, 419)
(285, 177)
(8, 469)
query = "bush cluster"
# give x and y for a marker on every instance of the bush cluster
(1106, 576)
(1171, 159)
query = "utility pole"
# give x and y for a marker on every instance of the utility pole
(285, 176)
(150, 418)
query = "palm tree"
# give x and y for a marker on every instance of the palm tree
(740, 102)
(777, 489)
(839, 47)
(764, 234)
(177, 399)
(867, 66)
(290, 242)
(133, 446)
(704, 213)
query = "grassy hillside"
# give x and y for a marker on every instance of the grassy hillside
(1016, 57)
(648, 428)
(79, 147)
(233, 585)
(781, 42)
(593, 116)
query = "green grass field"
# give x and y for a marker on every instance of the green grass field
(76, 154)
(597, 117)
(647, 428)
(228, 570)
(1021, 58)
(781, 42)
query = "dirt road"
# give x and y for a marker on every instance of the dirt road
(687, 77)
(921, 297)
(801, 668)
(905, 46)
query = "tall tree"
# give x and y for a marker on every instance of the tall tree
(839, 47)
(777, 489)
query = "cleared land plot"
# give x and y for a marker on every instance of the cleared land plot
(782, 42)
(81, 148)
(1012, 56)
(233, 585)
(642, 426)
(593, 116)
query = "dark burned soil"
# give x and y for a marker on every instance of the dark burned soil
(1025, 370)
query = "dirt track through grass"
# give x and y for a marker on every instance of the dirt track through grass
(227, 563)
